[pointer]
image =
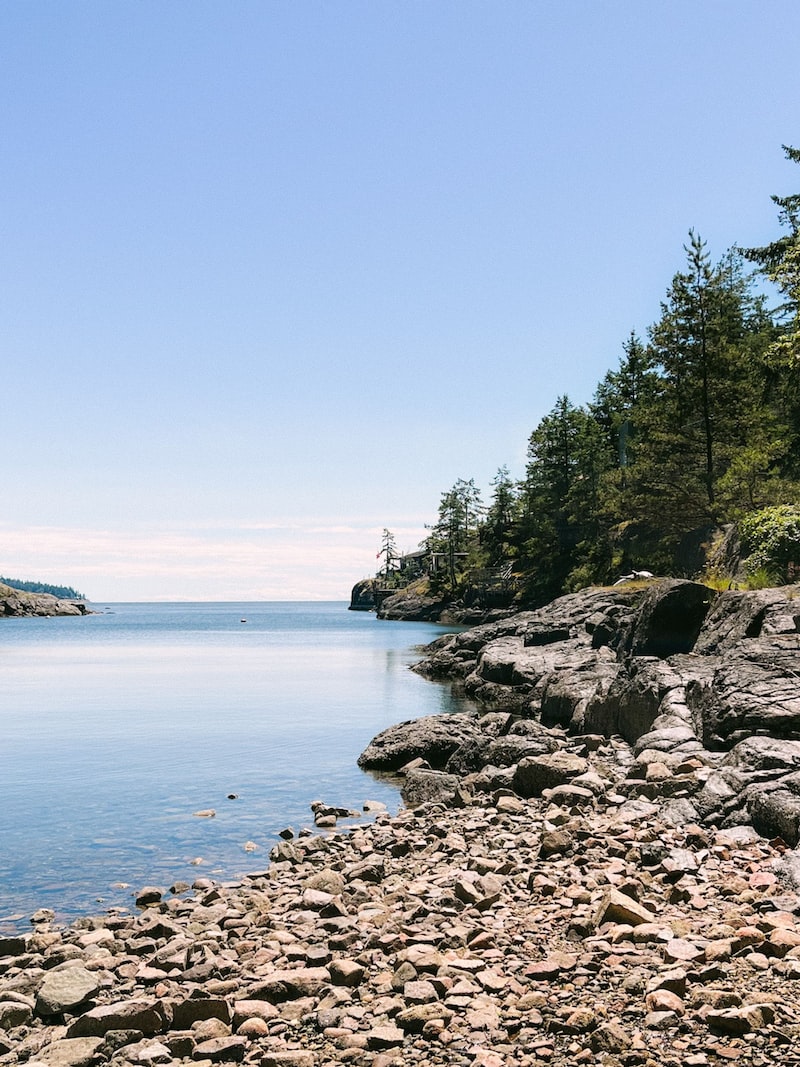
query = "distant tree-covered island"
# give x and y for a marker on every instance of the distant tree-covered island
(63, 592)
(695, 436)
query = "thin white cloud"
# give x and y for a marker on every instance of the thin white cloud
(267, 561)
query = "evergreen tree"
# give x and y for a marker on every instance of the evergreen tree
(498, 526)
(779, 261)
(707, 393)
(617, 400)
(456, 528)
(389, 553)
(560, 482)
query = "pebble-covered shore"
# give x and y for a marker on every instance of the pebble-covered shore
(575, 927)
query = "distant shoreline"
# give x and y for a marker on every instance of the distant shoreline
(17, 603)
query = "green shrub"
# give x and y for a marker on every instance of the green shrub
(771, 544)
(761, 578)
(719, 582)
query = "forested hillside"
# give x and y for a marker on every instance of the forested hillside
(63, 592)
(698, 427)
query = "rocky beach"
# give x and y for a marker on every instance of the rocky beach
(597, 867)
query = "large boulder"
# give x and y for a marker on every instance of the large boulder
(65, 988)
(534, 774)
(143, 1015)
(71, 1052)
(776, 813)
(754, 689)
(565, 693)
(407, 604)
(554, 680)
(422, 786)
(669, 619)
(500, 751)
(767, 757)
(631, 703)
(738, 616)
(498, 661)
(577, 614)
(433, 738)
(758, 781)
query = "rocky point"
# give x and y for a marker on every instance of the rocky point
(599, 868)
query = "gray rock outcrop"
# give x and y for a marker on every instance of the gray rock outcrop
(700, 685)
(433, 738)
(617, 885)
(409, 605)
(362, 595)
(16, 602)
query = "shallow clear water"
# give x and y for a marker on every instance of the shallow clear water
(116, 727)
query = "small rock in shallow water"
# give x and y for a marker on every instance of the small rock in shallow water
(150, 894)
(43, 915)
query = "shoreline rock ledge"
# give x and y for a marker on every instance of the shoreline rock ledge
(17, 602)
(695, 695)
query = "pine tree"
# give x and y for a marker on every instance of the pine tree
(558, 495)
(456, 527)
(389, 553)
(708, 394)
(498, 525)
(779, 261)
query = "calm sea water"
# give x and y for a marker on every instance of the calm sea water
(116, 727)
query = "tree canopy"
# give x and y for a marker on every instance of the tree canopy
(698, 426)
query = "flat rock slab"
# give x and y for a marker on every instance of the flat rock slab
(65, 989)
(123, 1015)
(383, 1037)
(617, 907)
(534, 774)
(71, 1052)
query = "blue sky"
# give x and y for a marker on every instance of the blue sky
(276, 274)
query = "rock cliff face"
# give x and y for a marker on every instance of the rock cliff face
(414, 603)
(410, 605)
(702, 688)
(16, 602)
(362, 595)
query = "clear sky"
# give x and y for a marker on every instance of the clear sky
(275, 274)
